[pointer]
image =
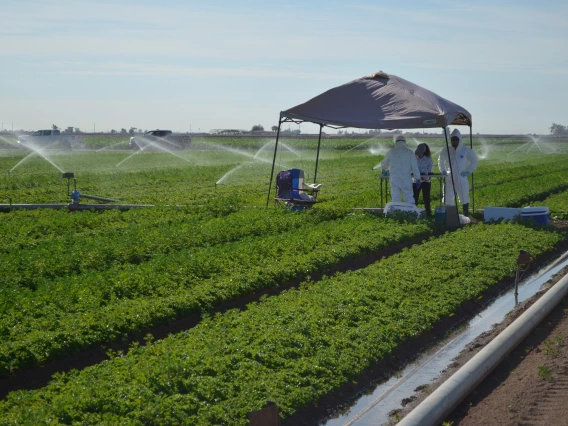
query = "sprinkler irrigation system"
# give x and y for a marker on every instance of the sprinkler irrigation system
(76, 195)
(75, 203)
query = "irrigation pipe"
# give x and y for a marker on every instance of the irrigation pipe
(436, 407)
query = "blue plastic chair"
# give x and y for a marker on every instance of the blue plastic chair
(290, 190)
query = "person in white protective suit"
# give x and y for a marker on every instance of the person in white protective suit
(401, 164)
(463, 163)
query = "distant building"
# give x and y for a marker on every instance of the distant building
(227, 132)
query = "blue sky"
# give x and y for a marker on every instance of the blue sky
(195, 65)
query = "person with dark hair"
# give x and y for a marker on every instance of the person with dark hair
(426, 166)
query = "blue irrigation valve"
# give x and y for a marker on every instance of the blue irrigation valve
(75, 196)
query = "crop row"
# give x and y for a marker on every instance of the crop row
(117, 241)
(557, 204)
(524, 191)
(293, 348)
(496, 174)
(69, 313)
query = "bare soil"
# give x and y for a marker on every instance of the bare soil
(530, 387)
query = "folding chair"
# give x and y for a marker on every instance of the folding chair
(290, 190)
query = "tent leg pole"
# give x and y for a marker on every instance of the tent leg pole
(273, 161)
(318, 154)
(452, 176)
(472, 183)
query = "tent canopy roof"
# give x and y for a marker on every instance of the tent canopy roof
(380, 101)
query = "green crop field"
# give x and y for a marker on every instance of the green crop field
(77, 281)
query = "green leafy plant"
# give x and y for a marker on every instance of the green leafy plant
(551, 346)
(544, 373)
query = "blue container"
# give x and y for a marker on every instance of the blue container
(440, 214)
(538, 214)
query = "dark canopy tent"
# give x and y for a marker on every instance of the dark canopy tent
(377, 101)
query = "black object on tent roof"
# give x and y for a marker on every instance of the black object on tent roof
(377, 101)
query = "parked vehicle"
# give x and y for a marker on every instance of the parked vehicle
(49, 139)
(160, 139)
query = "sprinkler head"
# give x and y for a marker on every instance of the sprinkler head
(68, 175)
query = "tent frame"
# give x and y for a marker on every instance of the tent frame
(285, 119)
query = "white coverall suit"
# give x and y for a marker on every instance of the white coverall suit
(463, 159)
(401, 163)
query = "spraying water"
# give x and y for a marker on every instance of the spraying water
(484, 150)
(159, 147)
(130, 156)
(236, 151)
(380, 149)
(289, 149)
(23, 160)
(416, 142)
(229, 173)
(38, 152)
(535, 144)
(7, 141)
(540, 145)
(164, 149)
(263, 148)
(254, 157)
(110, 146)
(519, 148)
(436, 152)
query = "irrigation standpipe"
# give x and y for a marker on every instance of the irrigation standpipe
(440, 403)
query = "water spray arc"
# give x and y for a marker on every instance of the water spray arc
(40, 153)
(356, 146)
(110, 147)
(157, 146)
(255, 157)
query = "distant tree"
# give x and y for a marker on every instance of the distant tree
(558, 130)
(257, 128)
(69, 129)
(123, 131)
(274, 128)
(77, 130)
(54, 127)
(132, 130)
(113, 131)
